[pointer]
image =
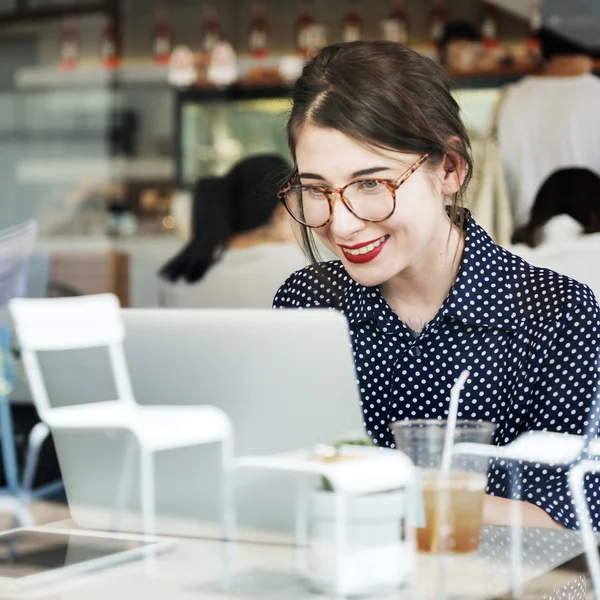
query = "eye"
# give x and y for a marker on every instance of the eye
(369, 185)
(313, 193)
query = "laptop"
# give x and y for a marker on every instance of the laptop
(285, 377)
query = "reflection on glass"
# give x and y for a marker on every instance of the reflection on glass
(216, 135)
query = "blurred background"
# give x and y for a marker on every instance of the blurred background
(101, 140)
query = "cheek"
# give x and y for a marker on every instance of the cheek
(322, 235)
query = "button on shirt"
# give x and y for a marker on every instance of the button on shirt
(529, 337)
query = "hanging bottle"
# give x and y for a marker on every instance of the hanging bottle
(437, 24)
(395, 25)
(69, 45)
(258, 36)
(535, 24)
(212, 30)
(162, 39)
(490, 25)
(304, 23)
(109, 45)
(352, 24)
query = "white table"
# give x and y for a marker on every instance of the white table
(192, 571)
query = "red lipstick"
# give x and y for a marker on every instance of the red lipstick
(352, 255)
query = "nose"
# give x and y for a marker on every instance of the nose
(343, 223)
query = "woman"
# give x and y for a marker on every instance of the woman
(567, 203)
(242, 246)
(380, 151)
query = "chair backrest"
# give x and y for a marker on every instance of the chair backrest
(54, 324)
(16, 247)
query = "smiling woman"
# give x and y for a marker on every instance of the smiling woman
(382, 163)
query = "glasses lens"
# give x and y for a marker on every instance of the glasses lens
(370, 200)
(307, 205)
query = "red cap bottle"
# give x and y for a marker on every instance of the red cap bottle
(258, 36)
(162, 42)
(304, 26)
(395, 25)
(438, 21)
(490, 25)
(535, 24)
(352, 24)
(109, 45)
(69, 45)
(212, 30)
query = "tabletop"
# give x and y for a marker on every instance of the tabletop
(192, 570)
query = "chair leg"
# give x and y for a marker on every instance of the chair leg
(516, 534)
(125, 485)
(148, 507)
(7, 439)
(37, 437)
(228, 511)
(576, 484)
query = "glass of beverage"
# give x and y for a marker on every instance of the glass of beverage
(453, 502)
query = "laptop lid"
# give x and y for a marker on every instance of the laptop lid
(286, 379)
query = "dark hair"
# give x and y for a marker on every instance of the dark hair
(574, 192)
(553, 44)
(384, 95)
(243, 200)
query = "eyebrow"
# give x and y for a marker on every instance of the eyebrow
(361, 173)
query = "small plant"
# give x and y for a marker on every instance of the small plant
(329, 453)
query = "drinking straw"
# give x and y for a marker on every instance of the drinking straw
(451, 424)
(440, 514)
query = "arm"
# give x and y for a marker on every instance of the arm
(497, 511)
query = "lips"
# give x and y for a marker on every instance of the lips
(366, 252)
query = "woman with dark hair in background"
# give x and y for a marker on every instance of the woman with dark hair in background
(568, 203)
(382, 162)
(242, 241)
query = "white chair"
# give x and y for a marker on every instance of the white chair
(16, 248)
(554, 450)
(94, 321)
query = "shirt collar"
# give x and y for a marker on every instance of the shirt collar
(482, 294)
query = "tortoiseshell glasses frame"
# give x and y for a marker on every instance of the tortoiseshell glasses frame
(391, 184)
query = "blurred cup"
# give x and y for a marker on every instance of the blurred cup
(453, 503)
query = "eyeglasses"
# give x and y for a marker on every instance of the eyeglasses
(371, 200)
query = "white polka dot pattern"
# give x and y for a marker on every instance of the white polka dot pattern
(530, 338)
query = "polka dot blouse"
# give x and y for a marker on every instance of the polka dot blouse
(530, 338)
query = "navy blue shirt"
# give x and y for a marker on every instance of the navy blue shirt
(529, 337)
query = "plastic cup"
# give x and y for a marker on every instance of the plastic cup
(452, 502)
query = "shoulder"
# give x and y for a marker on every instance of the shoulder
(542, 295)
(315, 285)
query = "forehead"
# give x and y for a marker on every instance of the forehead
(332, 154)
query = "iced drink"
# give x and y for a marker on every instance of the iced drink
(452, 501)
(465, 494)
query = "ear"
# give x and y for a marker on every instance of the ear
(453, 173)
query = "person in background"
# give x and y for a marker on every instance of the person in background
(382, 163)
(549, 121)
(242, 243)
(566, 207)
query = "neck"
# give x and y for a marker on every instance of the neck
(417, 293)
(568, 66)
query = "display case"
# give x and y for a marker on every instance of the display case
(215, 128)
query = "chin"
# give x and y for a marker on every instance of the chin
(367, 274)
